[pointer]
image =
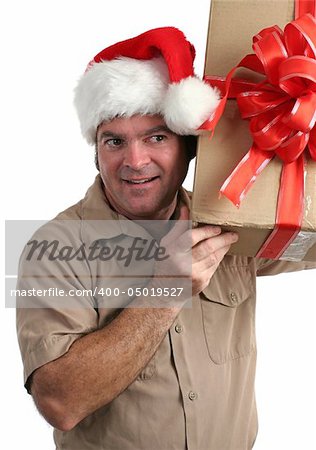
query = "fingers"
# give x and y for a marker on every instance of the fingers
(196, 252)
(210, 246)
(211, 260)
(205, 232)
(201, 240)
(206, 257)
(188, 237)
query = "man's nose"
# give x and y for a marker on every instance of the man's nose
(136, 155)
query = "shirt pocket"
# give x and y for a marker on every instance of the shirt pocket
(228, 313)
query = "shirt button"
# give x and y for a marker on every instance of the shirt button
(192, 395)
(178, 328)
(233, 297)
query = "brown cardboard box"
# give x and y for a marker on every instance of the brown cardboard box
(233, 23)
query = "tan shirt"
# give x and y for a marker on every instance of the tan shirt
(197, 393)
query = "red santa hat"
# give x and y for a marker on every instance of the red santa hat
(149, 74)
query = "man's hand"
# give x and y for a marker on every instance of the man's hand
(207, 244)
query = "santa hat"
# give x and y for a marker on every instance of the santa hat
(148, 74)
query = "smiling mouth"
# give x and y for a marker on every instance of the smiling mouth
(141, 181)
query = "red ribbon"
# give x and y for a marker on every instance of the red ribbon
(282, 113)
(304, 7)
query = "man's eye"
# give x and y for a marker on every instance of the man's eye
(115, 142)
(157, 138)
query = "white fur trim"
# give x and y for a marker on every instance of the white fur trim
(120, 87)
(188, 104)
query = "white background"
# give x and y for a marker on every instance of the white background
(45, 48)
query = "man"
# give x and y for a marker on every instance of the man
(143, 375)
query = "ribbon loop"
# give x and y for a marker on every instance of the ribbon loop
(300, 36)
(296, 74)
(253, 103)
(302, 117)
(292, 148)
(268, 131)
(271, 52)
(312, 143)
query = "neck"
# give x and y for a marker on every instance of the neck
(157, 226)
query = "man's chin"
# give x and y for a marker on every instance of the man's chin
(141, 213)
(143, 210)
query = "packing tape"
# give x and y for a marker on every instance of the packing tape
(300, 246)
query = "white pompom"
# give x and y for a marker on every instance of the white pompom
(188, 104)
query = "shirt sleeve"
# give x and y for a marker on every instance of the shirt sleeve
(273, 267)
(50, 316)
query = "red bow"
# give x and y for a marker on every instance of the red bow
(282, 113)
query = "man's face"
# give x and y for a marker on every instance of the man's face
(142, 165)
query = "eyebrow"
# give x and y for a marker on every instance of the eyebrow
(158, 129)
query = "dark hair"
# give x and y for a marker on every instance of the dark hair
(190, 144)
(96, 160)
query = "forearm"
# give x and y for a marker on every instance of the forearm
(100, 365)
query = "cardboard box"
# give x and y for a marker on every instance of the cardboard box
(233, 23)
